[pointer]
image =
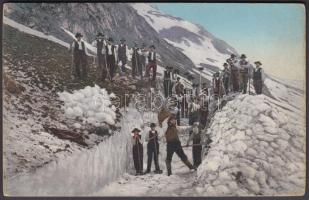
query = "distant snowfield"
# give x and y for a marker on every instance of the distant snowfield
(30, 31)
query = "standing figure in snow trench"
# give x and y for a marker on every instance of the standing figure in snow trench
(258, 78)
(79, 53)
(153, 149)
(244, 73)
(110, 57)
(135, 60)
(100, 44)
(203, 112)
(217, 84)
(152, 63)
(226, 78)
(122, 55)
(195, 137)
(174, 146)
(142, 58)
(137, 151)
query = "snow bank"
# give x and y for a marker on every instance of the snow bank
(85, 171)
(91, 104)
(30, 31)
(258, 148)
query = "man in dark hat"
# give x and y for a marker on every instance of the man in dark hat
(167, 81)
(195, 137)
(137, 151)
(226, 78)
(110, 50)
(153, 149)
(174, 146)
(152, 62)
(142, 58)
(122, 55)
(243, 73)
(100, 44)
(135, 60)
(258, 78)
(234, 73)
(79, 52)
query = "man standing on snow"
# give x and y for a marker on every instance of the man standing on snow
(244, 73)
(167, 80)
(137, 151)
(153, 149)
(142, 58)
(135, 60)
(195, 137)
(174, 146)
(226, 78)
(258, 78)
(234, 73)
(100, 44)
(122, 55)
(79, 53)
(110, 58)
(152, 62)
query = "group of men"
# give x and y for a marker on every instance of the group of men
(112, 57)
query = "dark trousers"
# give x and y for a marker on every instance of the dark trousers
(152, 66)
(235, 80)
(244, 83)
(102, 65)
(226, 84)
(258, 85)
(123, 60)
(166, 86)
(80, 64)
(111, 65)
(175, 147)
(153, 151)
(138, 157)
(197, 153)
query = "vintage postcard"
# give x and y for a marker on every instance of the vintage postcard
(154, 99)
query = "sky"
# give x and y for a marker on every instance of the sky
(271, 33)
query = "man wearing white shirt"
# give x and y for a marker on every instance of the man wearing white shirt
(79, 52)
(244, 73)
(152, 62)
(110, 58)
(100, 44)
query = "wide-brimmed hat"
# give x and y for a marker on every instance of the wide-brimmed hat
(200, 68)
(243, 56)
(122, 40)
(100, 34)
(136, 130)
(152, 46)
(257, 63)
(78, 35)
(110, 39)
(204, 84)
(233, 55)
(152, 125)
(225, 64)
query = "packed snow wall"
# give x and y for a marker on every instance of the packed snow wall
(84, 172)
(258, 148)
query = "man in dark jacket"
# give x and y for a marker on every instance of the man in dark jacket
(152, 62)
(244, 73)
(258, 78)
(100, 44)
(195, 137)
(122, 55)
(153, 149)
(167, 81)
(137, 151)
(110, 58)
(135, 60)
(234, 73)
(79, 52)
(174, 146)
(226, 78)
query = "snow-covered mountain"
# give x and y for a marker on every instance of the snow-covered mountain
(203, 48)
